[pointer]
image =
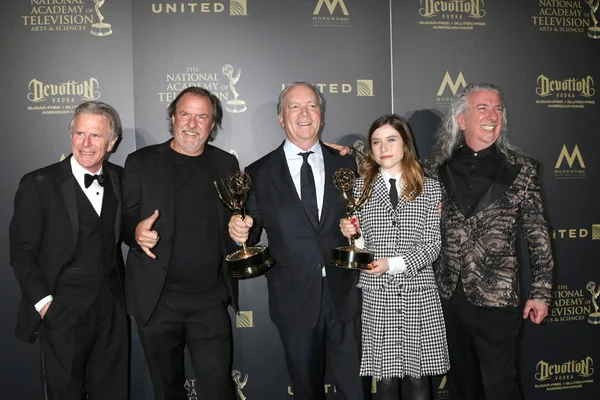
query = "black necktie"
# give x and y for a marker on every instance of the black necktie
(308, 192)
(393, 193)
(89, 179)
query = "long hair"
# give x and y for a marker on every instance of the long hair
(412, 172)
(449, 137)
(217, 109)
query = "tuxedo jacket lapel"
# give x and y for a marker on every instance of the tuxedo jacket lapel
(116, 187)
(67, 187)
(506, 176)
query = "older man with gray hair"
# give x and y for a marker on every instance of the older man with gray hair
(66, 254)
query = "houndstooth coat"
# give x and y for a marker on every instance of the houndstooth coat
(403, 331)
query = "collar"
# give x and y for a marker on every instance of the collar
(291, 150)
(468, 153)
(386, 177)
(79, 172)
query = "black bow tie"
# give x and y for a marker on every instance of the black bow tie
(89, 179)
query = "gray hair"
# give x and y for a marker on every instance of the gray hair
(99, 108)
(320, 98)
(449, 136)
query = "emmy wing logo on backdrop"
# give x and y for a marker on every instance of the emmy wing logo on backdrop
(100, 28)
(455, 15)
(331, 14)
(239, 382)
(448, 88)
(565, 93)
(565, 17)
(66, 16)
(233, 106)
(569, 165)
(60, 98)
(569, 305)
(568, 375)
(594, 317)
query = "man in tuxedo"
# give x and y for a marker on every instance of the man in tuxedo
(176, 283)
(490, 193)
(66, 254)
(315, 306)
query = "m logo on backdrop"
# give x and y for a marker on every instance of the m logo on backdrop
(564, 17)
(560, 172)
(565, 93)
(448, 88)
(244, 319)
(337, 16)
(61, 98)
(457, 15)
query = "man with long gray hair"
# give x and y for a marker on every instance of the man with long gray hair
(65, 251)
(490, 192)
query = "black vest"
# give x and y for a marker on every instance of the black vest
(95, 260)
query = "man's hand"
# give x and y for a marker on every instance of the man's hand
(536, 311)
(239, 228)
(349, 226)
(342, 149)
(378, 267)
(145, 237)
(45, 309)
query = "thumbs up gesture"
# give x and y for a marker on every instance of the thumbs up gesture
(145, 236)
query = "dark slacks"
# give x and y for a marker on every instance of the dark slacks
(333, 342)
(201, 324)
(482, 342)
(86, 354)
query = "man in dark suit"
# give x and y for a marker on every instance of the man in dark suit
(66, 255)
(490, 193)
(315, 306)
(176, 284)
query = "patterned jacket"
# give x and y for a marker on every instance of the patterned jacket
(411, 230)
(481, 248)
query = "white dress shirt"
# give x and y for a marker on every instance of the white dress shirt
(397, 264)
(94, 193)
(317, 164)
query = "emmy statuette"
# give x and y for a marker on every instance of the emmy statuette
(248, 261)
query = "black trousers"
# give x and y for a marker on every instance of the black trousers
(482, 342)
(85, 355)
(201, 324)
(333, 342)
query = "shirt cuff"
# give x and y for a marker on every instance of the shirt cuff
(397, 265)
(40, 304)
(360, 242)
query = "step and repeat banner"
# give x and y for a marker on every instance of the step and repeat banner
(368, 58)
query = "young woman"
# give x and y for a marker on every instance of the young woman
(403, 331)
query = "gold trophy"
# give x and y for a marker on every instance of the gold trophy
(593, 31)
(233, 106)
(248, 261)
(351, 256)
(594, 318)
(100, 28)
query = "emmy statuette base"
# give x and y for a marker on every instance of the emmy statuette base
(101, 29)
(352, 258)
(594, 32)
(236, 106)
(255, 261)
(594, 318)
